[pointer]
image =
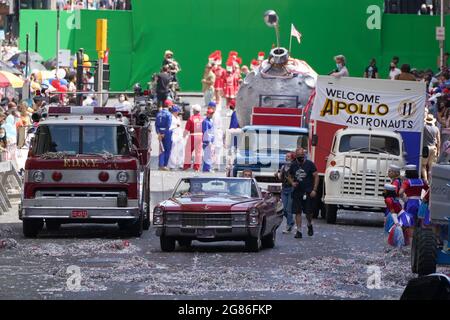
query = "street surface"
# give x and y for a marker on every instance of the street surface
(336, 263)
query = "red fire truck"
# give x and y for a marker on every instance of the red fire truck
(86, 166)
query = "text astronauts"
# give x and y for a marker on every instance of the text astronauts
(234, 309)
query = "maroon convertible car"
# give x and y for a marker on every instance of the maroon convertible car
(218, 209)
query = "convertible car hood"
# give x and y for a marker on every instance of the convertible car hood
(209, 204)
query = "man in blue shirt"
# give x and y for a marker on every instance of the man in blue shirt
(208, 140)
(162, 124)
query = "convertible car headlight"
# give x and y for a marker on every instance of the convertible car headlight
(158, 220)
(334, 175)
(158, 216)
(253, 218)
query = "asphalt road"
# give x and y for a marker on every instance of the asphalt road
(98, 262)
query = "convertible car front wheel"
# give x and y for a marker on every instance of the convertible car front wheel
(269, 240)
(253, 244)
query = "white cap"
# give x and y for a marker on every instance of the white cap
(411, 167)
(394, 167)
(390, 187)
(197, 108)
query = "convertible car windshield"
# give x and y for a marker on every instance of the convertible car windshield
(206, 187)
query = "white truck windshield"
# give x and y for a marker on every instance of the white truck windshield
(369, 143)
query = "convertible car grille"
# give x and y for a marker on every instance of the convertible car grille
(202, 220)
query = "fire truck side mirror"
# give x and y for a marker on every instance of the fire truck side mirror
(314, 140)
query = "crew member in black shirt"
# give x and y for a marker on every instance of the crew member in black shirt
(162, 85)
(304, 177)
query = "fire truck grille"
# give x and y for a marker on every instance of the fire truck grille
(76, 194)
(364, 185)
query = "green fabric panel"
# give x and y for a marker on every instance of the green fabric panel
(198, 27)
(195, 28)
(47, 31)
(82, 34)
(413, 39)
(120, 37)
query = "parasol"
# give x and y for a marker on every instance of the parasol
(7, 79)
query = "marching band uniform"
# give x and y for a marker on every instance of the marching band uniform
(231, 84)
(412, 188)
(395, 216)
(393, 209)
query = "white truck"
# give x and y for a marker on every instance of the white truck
(357, 169)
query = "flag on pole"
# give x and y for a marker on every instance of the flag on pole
(295, 33)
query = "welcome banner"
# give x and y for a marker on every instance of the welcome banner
(370, 103)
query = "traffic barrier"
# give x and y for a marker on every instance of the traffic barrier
(10, 181)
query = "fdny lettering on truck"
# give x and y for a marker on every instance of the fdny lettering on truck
(80, 163)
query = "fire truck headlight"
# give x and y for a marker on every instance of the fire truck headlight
(122, 177)
(38, 176)
(334, 175)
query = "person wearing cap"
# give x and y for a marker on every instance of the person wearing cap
(193, 132)
(172, 64)
(341, 69)
(209, 78)
(411, 192)
(208, 140)
(394, 214)
(254, 64)
(394, 175)
(163, 122)
(177, 153)
(431, 141)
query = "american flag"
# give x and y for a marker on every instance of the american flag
(295, 33)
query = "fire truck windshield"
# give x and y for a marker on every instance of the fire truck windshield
(75, 139)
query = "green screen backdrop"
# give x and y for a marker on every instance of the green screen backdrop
(193, 29)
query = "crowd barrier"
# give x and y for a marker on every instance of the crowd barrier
(11, 185)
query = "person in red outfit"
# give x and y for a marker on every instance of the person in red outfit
(220, 79)
(231, 83)
(194, 142)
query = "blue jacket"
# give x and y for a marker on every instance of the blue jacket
(163, 121)
(208, 130)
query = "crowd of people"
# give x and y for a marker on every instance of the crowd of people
(192, 146)
(95, 4)
(202, 142)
